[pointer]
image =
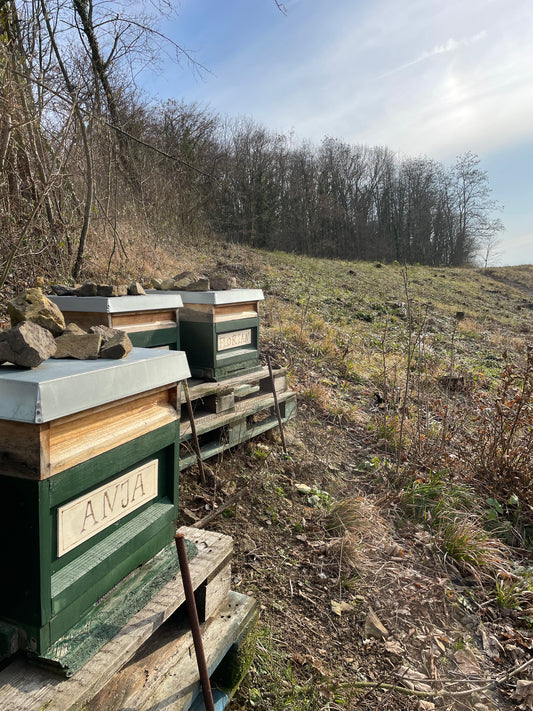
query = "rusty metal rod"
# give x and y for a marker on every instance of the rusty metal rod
(179, 538)
(276, 404)
(195, 440)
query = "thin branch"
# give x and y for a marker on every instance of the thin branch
(109, 124)
(179, 49)
(202, 523)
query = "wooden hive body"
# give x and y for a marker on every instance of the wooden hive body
(219, 331)
(151, 321)
(88, 484)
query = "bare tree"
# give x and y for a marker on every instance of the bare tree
(489, 243)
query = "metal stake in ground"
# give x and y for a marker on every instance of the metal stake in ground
(195, 440)
(194, 622)
(276, 404)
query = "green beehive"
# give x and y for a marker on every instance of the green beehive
(88, 484)
(151, 320)
(219, 331)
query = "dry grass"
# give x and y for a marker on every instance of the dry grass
(359, 534)
(464, 539)
(469, 327)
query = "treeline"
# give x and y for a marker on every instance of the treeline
(83, 155)
(351, 202)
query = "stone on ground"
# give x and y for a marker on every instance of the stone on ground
(374, 627)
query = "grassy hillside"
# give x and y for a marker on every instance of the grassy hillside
(407, 493)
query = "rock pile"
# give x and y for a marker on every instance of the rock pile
(189, 281)
(38, 332)
(92, 289)
(184, 281)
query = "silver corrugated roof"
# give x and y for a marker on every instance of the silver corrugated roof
(62, 387)
(154, 301)
(228, 296)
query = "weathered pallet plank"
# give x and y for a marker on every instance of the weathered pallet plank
(164, 673)
(221, 401)
(210, 421)
(216, 591)
(180, 687)
(199, 388)
(240, 430)
(24, 687)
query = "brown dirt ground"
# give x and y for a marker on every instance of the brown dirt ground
(455, 646)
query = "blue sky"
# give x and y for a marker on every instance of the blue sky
(423, 77)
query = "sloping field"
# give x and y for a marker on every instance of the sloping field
(392, 547)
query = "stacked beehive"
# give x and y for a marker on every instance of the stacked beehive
(88, 484)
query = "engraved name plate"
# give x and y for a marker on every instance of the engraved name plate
(83, 518)
(234, 339)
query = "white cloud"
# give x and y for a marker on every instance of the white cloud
(451, 45)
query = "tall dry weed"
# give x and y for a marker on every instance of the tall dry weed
(498, 446)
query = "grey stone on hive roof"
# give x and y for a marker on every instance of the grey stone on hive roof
(178, 284)
(106, 332)
(61, 290)
(87, 289)
(188, 275)
(119, 346)
(201, 284)
(136, 289)
(74, 328)
(78, 344)
(26, 345)
(112, 290)
(221, 282)
(167, 284)
(32, 305)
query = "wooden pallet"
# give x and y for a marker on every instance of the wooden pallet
(238, 388)
(233, 411)
(164, 674)
(138, 647)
